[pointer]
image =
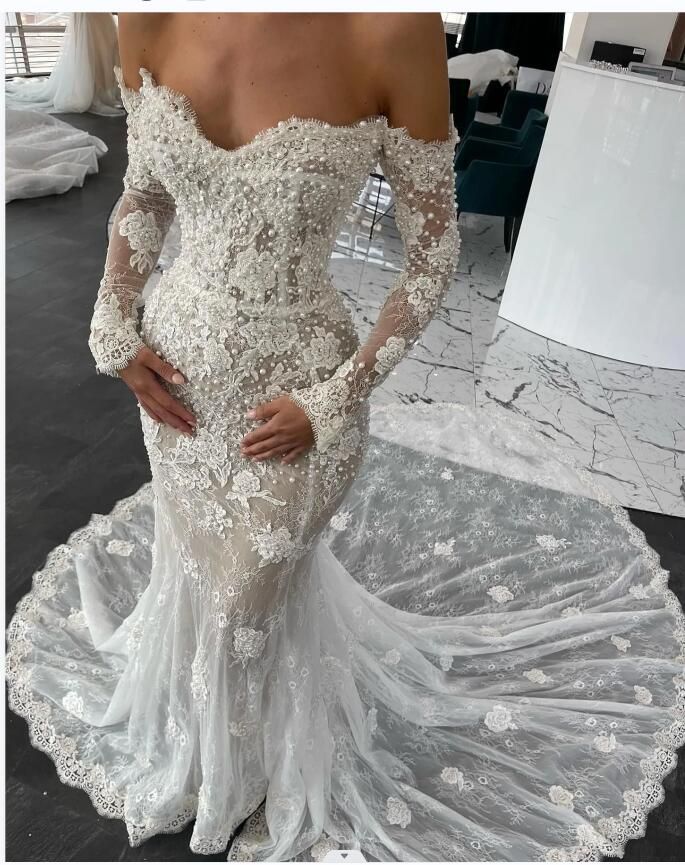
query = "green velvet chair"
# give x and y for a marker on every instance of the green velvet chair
(470, 114)
(494, 178)
(462, 106)
(517, 105)
(505, 134)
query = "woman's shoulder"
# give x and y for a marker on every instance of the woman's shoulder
(138, 32)
(409, 60)
(387, 32)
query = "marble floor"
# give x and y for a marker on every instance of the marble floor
(626, 423)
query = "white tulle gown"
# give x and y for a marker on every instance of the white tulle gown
(83, 77)
(46, 156)
(429, 638)
(43, 154)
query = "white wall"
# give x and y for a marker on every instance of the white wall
(598, 262)
(649, 30)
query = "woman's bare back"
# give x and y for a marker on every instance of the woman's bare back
(243, 72)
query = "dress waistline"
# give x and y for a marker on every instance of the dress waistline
(321, 293)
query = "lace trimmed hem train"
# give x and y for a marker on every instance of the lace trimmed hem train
(515, 671)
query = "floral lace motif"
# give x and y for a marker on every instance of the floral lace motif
(142, 220)
(605, 835)
(421, 175)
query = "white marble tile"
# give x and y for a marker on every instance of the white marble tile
(377, 283)
(553, 385)
(625, 424)
(621, 476)
(482, 257)
(445, 346)
(484, 321)
(667, 484)
(347, 274)
(649, 405)
(415, 380)
(457, 296)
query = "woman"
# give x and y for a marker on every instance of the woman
(509, 685)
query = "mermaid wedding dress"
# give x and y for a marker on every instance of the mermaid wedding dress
(431, 637)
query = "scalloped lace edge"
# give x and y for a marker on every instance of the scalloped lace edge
(76, 773)
(370, 120)
(625, 824)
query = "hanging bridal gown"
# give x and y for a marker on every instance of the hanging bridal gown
(83, 77)
(429, 638)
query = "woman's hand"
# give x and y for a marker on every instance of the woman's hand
(286, 433)
(141, 375)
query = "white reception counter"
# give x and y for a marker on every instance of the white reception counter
(600, 259)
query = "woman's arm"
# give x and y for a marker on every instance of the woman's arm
(417, 159)
(140, 225)
(141, 222)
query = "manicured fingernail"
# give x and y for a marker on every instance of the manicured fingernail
(177, 378)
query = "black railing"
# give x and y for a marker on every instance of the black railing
(33, 41)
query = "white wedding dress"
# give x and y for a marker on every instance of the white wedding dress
(83, 77)
(430, 638)
(46, 156)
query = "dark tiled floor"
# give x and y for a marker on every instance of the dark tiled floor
(74, 447)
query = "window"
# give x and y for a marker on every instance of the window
(33, 41)
(453, 22)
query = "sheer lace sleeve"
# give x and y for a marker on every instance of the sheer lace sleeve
(421, 176)
(141, 222)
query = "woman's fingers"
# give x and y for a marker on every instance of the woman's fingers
(161, 367)
(260, 448)
(142, 402)
(272, 452)
(167, 417)
(142, 376)
(293, 454)
(164, 398)
(260, 434)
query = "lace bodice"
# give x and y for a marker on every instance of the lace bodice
(258, 224)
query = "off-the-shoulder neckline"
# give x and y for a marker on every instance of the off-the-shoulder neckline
(363, 123)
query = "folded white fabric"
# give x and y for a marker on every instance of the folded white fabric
(482, 68)
(45, 155)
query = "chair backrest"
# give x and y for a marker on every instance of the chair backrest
(471, 108)
(530, 147)
(459, 102)
(517, 105)
(532, 118)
